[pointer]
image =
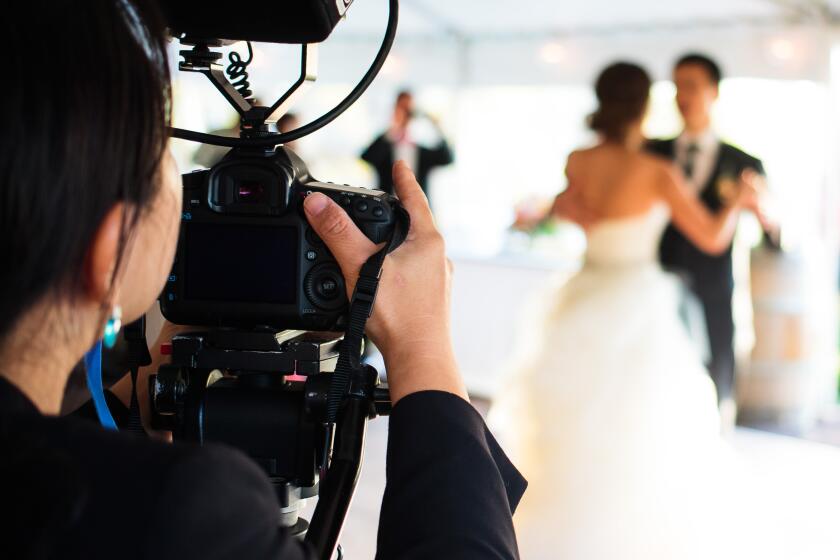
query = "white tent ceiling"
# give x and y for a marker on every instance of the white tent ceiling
(477, 19)
(461, 42)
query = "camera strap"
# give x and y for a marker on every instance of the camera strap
(361, 308)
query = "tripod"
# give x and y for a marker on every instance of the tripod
(266, 393)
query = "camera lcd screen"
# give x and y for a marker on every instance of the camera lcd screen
(241, 263)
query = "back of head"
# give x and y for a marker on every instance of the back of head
(404, 96)
(623, 90)
(288, 122)
(84, 128)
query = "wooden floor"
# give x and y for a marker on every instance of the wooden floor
(800, 482)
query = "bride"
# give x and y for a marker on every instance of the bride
(612, 417)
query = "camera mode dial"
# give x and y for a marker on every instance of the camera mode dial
(324, 286)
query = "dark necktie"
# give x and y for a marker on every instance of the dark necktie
(690, 158)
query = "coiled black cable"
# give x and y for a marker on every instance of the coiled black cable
(237, 72)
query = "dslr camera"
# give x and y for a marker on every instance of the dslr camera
(246, 254)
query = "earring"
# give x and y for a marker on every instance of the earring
(112, 327)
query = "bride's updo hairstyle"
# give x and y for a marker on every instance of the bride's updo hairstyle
(622, 90)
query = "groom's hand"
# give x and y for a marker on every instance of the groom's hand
(749, 190)
(753, 197)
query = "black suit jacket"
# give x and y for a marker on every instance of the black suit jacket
(73, 490)
(710, 275)
(380, 154)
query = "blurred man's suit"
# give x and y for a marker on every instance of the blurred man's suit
(709, 277)
(381, 155)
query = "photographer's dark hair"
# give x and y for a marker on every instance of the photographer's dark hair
(711, 67)
(622, 90)
(84, 126)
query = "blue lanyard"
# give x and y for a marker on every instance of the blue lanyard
(93, 365)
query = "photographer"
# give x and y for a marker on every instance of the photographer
(89, 220)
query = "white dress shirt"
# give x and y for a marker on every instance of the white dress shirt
(405, 149)
(708, 148)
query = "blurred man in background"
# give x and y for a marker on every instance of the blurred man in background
(397, 144)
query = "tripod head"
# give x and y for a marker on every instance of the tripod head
(266, 393)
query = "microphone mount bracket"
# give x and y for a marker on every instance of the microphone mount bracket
(257, 121)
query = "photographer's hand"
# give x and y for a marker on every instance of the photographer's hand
(410, 323)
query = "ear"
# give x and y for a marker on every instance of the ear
(102, 255)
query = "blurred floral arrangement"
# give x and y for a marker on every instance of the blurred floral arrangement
(531, 216)
(535, 232)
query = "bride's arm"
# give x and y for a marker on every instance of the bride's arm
(570, 203)
(711, 232)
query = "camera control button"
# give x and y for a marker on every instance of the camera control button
(311, 255)
(312, 238)
(345, 201)
(327, 288)
(378, 212)
(324, 287)
(362, 206)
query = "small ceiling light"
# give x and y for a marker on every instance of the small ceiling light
(783, 49)
(554, 52)
(394, 66)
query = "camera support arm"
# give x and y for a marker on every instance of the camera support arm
(336, 489)
(201, 59)
(308, 75)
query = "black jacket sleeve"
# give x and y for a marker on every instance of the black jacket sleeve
(757, 165)
(437, 156)
(450, 493)
(379, 152)
(450, 490)
(218, 505)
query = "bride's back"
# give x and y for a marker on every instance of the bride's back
(614, 182)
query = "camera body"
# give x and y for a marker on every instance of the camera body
(247, 256)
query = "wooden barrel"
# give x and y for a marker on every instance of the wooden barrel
(792, 371)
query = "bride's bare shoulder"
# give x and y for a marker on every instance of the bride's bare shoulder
(587, 156)
(661, 168)
(579, 155)
(578, 162)
(592, 151)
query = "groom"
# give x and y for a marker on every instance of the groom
(711, 168)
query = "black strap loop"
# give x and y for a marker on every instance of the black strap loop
(361, 308)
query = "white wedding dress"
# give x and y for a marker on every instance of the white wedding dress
(613, 420)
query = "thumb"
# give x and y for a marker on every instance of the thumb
(345, 241)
